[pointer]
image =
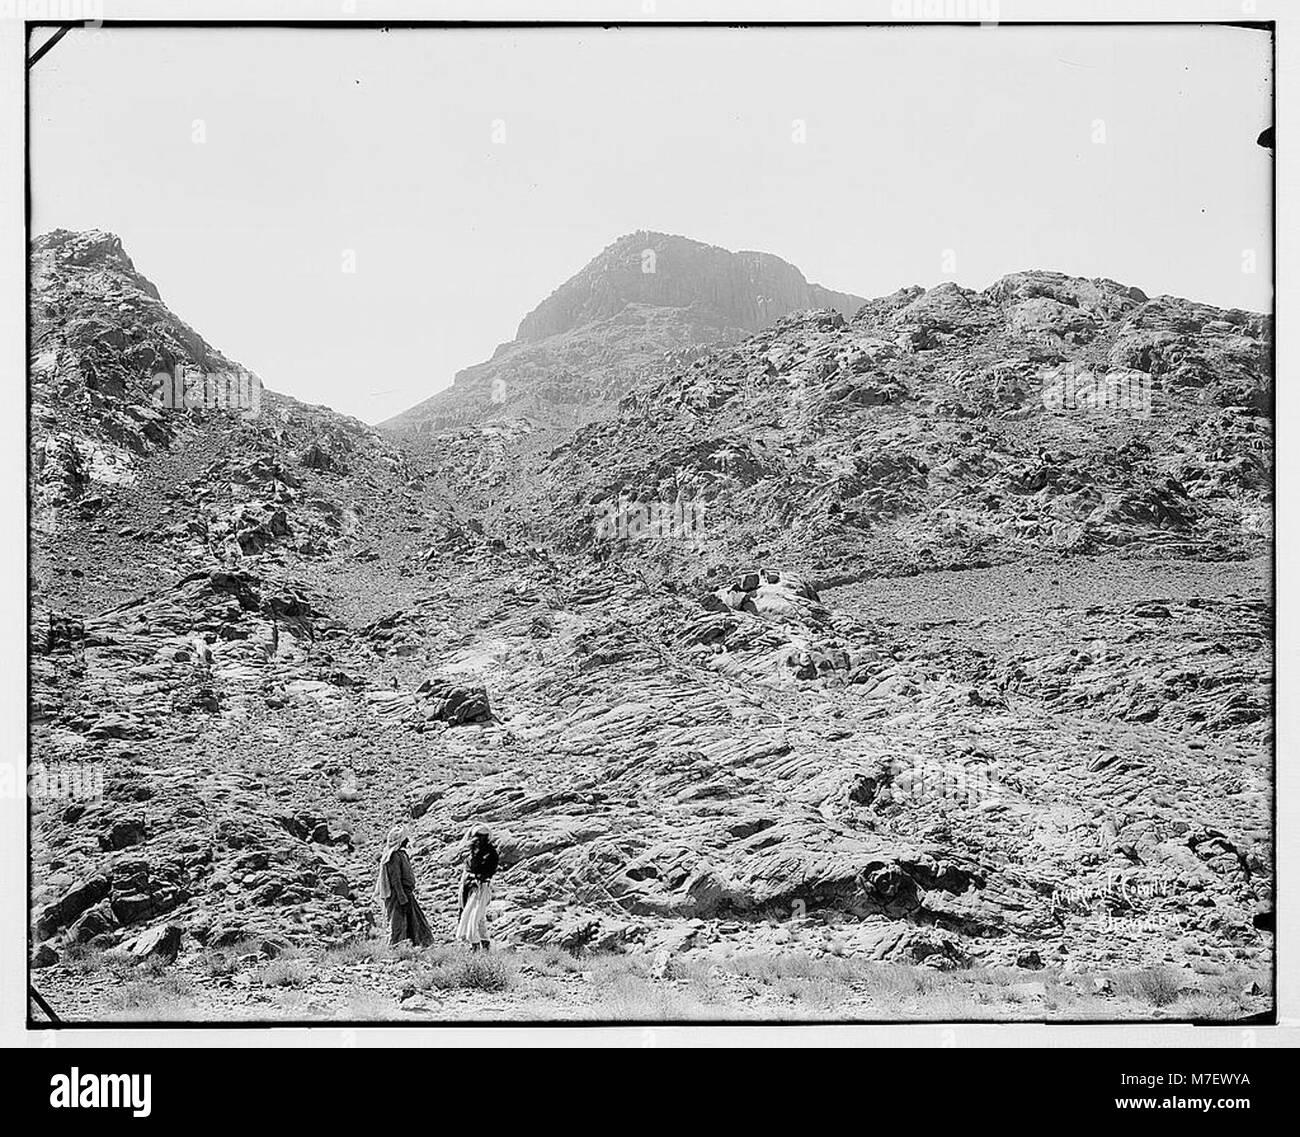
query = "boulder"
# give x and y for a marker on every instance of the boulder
(945, 308)
(93, 923)
(119, 726)
(1042, 315)
(162, 942)
(1029, 959)
(764, 592)
(441, 700)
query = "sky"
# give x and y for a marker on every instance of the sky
(357, 214)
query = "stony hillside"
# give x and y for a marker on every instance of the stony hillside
(956, 670)
(945, 428)
(604, 331)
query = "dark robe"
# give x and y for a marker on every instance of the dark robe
(406, 919)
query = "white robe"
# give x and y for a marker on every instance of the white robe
(473, 917)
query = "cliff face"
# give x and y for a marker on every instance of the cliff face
(606, 330)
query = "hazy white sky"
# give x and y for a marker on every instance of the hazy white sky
(982, 141)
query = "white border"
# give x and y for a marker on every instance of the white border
(13, 522)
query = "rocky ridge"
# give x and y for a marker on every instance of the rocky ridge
(933, 429)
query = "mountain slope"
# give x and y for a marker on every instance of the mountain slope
(219, 470)
(793, 732)
(1043, 416)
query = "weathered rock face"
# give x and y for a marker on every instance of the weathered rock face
(606, 329)
(947, 675)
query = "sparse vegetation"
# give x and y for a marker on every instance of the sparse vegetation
(1159, 986)
(164, 997)
(283, 972)
(359, 951)
(552, 983)
(219, 964)
(475, 971)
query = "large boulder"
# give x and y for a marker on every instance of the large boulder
(122, 833)
(945, 308)
(144, 891)
(1099, 297)
(769, 592)
(441, 700)
(162, 942)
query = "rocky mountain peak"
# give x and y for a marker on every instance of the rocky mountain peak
(607, 329)
(88, 251)
(101, 336)
(745, 289)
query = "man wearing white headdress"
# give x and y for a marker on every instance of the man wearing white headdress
(481, 858)
(395, 887)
